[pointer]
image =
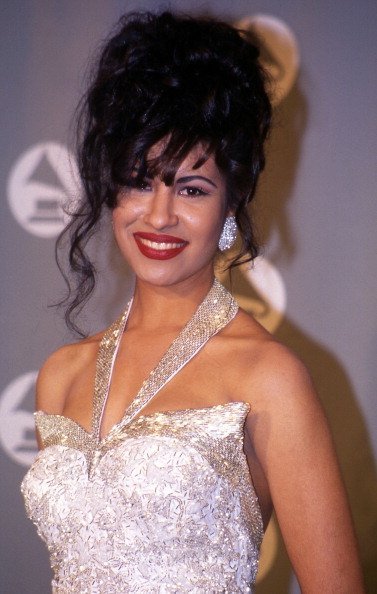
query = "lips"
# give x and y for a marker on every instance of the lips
(159, 246)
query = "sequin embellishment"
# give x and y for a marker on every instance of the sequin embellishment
(164, 503)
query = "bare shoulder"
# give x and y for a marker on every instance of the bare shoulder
(60, 371)
(274, 378)
(290, 439)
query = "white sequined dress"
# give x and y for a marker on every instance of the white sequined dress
(164, 503)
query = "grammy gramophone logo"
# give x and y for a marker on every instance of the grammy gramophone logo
(42, 183)
(17, 432)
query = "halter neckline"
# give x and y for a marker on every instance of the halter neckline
(216, 310)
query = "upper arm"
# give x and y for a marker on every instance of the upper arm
(66, 373)
(294, 447)
(53, 383)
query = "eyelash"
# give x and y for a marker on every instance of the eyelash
(194, 191)
(143, 186)
(134, 184)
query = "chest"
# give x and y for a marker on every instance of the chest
(158, 485)
(202, 382)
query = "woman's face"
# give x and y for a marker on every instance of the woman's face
(169, 234)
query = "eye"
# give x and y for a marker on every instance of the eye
(193, 191)
(142, 185)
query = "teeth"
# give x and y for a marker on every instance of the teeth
(160, 246)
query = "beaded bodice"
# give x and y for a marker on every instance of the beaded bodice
(163, 503)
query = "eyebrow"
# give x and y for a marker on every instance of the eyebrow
(188, 178)
(182, 180)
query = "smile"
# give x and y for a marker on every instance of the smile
(159, 247)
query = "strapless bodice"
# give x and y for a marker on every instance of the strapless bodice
(168, 507)
(164, 503)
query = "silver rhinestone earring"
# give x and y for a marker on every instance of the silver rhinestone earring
(228, 234)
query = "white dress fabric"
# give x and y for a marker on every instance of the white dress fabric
(164, 503)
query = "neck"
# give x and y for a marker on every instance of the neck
(167, 308)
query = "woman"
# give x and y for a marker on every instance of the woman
(153, 492)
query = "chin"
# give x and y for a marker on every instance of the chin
(163, 280)
(166, 273)
(166, 278)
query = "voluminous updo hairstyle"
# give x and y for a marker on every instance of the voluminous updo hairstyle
(178, 78)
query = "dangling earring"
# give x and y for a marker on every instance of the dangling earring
(228, 234)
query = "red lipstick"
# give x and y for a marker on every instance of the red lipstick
(159, 246)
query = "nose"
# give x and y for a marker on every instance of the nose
(160, 211)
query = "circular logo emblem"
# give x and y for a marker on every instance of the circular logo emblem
(17, 423)
(42, 180)
(263, 294)
(279, 51)
(270, 303)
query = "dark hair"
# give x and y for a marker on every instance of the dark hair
(162, 76)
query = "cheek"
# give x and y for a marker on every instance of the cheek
(126, 212)
(121, 220)
(201, 225)
(213, 223)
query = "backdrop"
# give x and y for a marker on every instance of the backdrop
(314, 287)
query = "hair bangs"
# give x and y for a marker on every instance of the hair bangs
(160, 155)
